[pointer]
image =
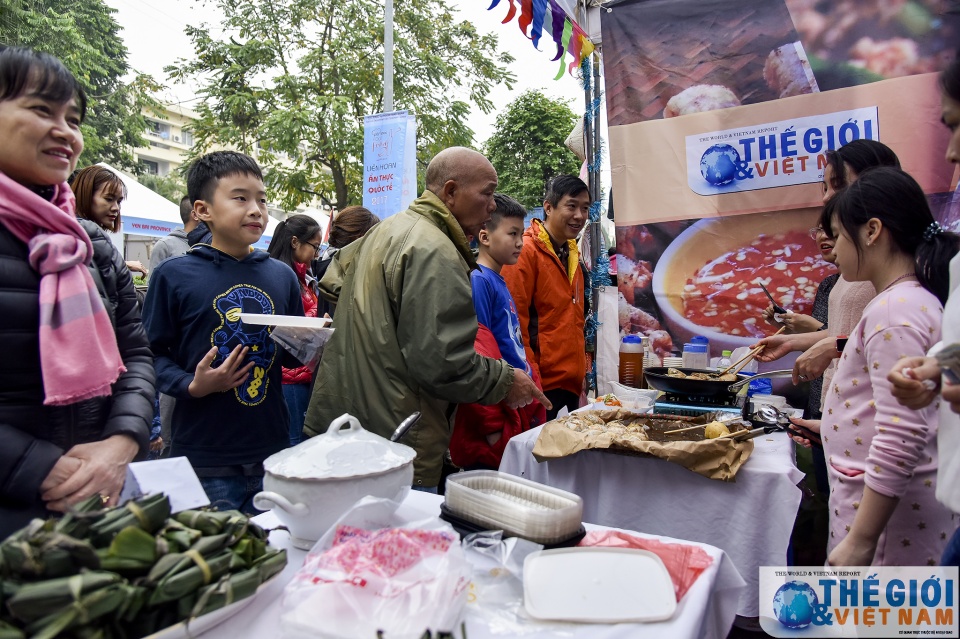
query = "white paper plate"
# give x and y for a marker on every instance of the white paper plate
(597, 585)
(284, 320)
(201, 624)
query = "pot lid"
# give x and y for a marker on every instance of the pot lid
(339, 453)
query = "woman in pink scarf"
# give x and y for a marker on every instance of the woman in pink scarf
(77, 381)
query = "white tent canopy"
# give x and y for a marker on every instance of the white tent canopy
(145, 212)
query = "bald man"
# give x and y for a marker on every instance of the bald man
(405, 322)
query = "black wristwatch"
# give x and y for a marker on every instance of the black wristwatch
(841, 343)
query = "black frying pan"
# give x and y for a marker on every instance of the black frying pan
(657, 378)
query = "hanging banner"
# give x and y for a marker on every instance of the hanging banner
(389, 156)
(720, 115)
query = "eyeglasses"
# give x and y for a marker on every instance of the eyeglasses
(315, 248)
(815, 231)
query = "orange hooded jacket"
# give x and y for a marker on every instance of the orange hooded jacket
(550, 303)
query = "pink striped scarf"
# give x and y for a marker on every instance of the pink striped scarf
(79, 358)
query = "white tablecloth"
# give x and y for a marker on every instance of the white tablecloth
(751, 519)
(705, 612)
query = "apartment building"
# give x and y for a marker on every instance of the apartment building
(168, 141)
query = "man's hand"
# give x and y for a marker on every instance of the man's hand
(524, 391)
(815, 360)
(98, 468)
(915, 381)
(230, 374)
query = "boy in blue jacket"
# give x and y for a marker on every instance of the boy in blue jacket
(225, 375)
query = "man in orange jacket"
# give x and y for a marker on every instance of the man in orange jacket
(547, 285)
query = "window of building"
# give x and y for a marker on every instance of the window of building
(150, 167)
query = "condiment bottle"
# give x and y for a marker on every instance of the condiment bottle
(695, 356)
(724, 361)
(631, 361)
(700, 339)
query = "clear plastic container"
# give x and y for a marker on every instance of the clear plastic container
(517, 506)
(631, 361)
(695, 356)
(700, 339)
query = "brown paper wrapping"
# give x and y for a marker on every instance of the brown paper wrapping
(712, 458)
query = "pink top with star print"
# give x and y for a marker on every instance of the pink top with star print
(865, 430)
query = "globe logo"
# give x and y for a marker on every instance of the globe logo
(793, 604)
(719, 164)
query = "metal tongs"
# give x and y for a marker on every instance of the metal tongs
(774, 421)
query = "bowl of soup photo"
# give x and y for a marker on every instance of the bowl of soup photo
(707, 282)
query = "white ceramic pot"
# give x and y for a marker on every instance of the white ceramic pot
(310, 485)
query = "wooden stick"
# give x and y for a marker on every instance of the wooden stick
(681, 430)
(743, 361)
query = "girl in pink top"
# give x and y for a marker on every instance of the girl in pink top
(882, 457)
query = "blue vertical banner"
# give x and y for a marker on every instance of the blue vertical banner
(389, 160)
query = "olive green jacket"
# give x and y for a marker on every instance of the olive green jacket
(405, 330)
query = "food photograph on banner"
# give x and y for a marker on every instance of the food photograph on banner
(718, 133)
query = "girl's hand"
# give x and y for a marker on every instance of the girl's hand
(768, 317)
(915, 381)
(777, 346)
(809, 424)
(853, 551)
(815, 360)
(800, 323)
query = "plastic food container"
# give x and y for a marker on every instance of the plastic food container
(597, 585)
(517, 506)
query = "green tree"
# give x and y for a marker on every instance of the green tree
(171, 187)
(291, 82)
(527, 146)
(85, 36)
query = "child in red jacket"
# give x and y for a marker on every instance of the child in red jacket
(481, 432)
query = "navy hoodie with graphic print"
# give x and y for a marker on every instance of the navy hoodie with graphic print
(193, 304)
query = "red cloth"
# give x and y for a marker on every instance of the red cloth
(684, 562)
(302, 374)
(468, 444)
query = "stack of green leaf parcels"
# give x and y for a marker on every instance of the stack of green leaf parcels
(129, 571)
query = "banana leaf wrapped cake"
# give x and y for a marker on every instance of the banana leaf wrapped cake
(129, 571)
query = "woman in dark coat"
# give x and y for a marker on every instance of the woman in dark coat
(77, 385)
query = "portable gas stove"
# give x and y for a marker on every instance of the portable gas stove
(693, 405)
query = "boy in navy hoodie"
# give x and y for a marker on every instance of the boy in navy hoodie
(225, 375)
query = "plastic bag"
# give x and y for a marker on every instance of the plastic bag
(304, 343)
(495, 598)
(377, 570)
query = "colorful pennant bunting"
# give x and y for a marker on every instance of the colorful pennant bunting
(539, 16)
